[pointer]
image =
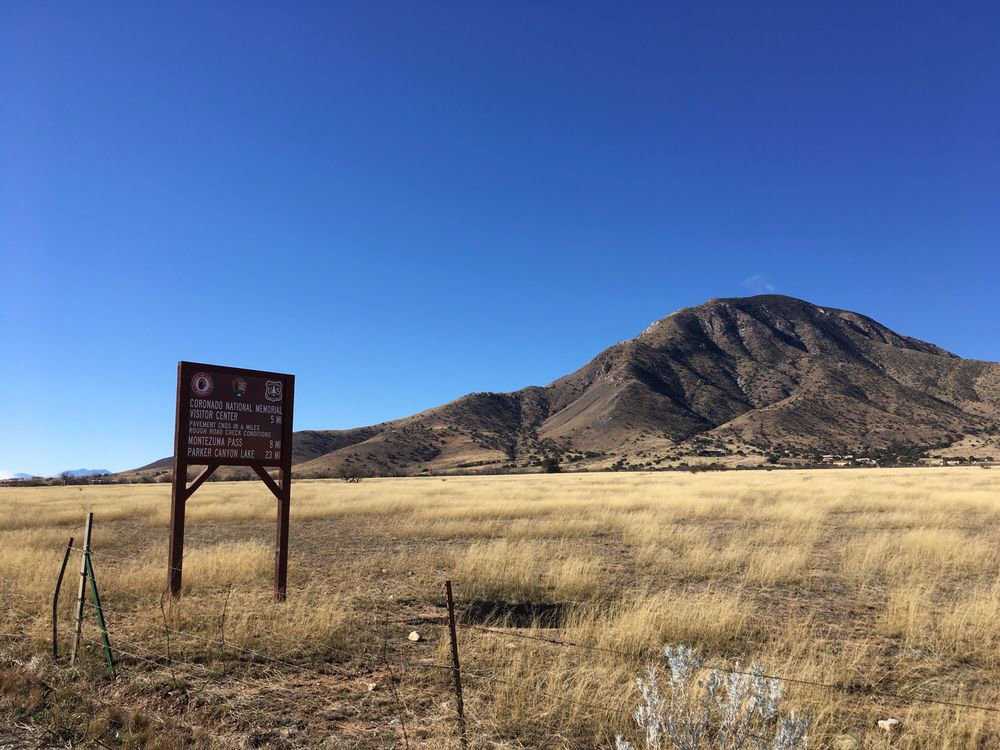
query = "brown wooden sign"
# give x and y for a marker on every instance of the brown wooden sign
(231, 417)
(234, 417)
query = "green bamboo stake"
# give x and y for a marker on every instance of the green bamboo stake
(108, 657)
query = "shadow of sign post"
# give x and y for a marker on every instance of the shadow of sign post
(231, 417)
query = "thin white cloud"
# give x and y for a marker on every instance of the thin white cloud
(758, 284)
(4, 474)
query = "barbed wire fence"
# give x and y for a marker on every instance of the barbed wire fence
(378, 656)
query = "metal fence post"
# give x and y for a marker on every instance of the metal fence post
(82, 595)
(456, 669)
(55, 601)
(108, 656)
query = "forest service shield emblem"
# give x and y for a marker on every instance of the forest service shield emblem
(272, 390)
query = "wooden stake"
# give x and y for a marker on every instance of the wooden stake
(456, 669)
(82, 595)
(281, 536)
(283, 492)
(55, 601)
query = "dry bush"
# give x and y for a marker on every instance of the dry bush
(643, 621)
(918, 553)
(505, 571)
(962, 626)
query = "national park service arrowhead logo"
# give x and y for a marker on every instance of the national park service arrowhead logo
(240, 386)
(272, 390)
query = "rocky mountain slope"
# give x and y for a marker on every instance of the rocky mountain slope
(742, 378)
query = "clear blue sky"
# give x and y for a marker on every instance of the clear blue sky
(404, 202)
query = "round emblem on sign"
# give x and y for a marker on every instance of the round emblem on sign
(202, 384)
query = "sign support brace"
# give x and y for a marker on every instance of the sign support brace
(195, 384)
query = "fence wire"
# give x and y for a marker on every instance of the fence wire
(854, 691)
(143, 654)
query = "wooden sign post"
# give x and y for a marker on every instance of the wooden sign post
(231, 417)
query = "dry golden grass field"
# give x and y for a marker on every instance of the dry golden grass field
(879, 581)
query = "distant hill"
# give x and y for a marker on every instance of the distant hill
(84, 472)
(736, 380)
(5, 475)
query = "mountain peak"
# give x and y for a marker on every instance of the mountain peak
(743, 375)
(768, 319)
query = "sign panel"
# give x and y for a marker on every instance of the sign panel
(233, 417)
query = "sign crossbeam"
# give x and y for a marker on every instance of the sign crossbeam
(231, 417)
(200, 480)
